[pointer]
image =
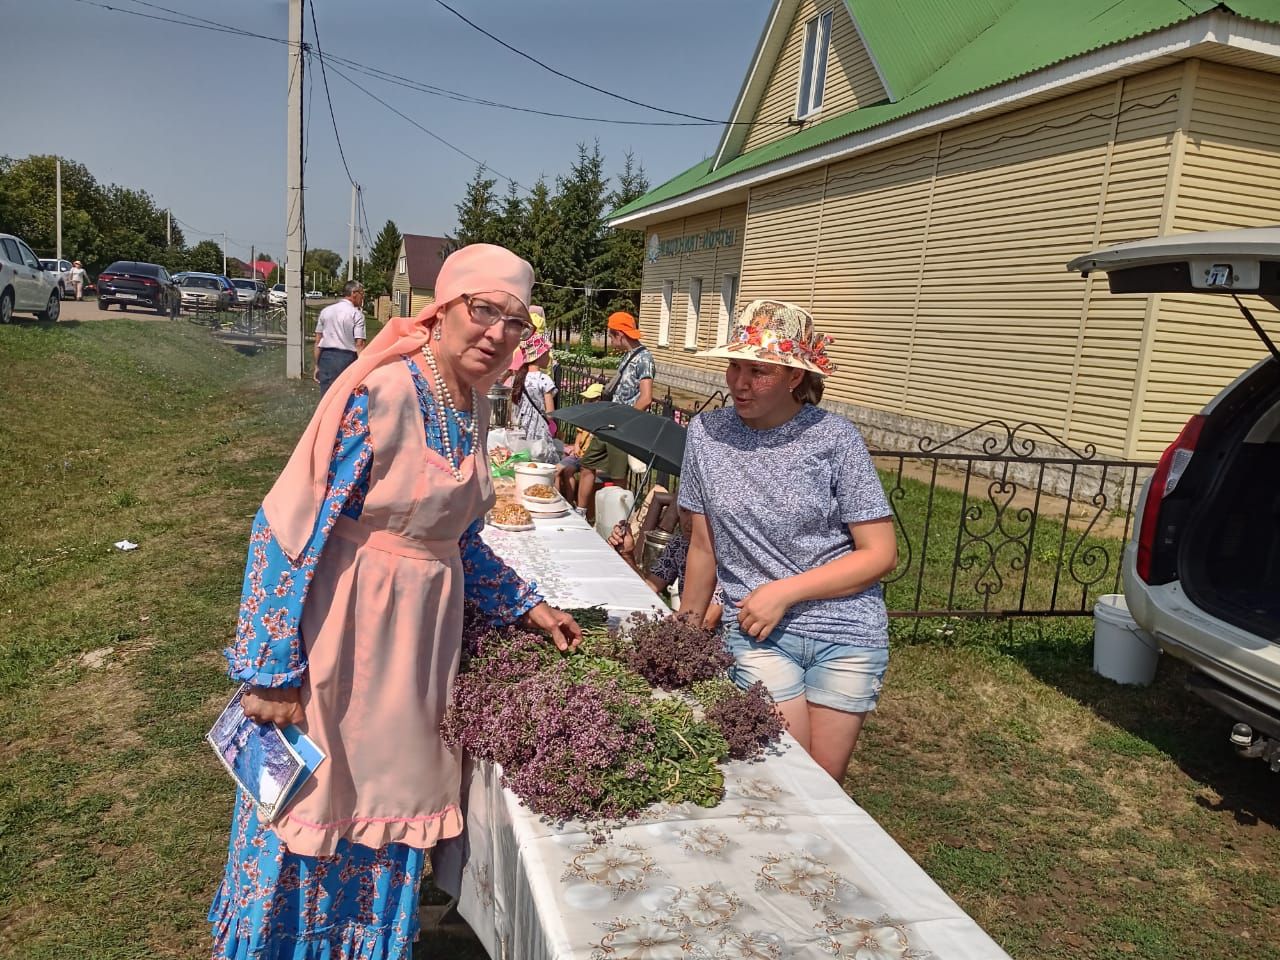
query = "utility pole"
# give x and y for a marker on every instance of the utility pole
(224, 254)
(293, 199)
(168, 228)
(57, 166)
(351, 233)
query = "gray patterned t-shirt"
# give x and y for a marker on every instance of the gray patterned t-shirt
(779, 503)
(635, 366)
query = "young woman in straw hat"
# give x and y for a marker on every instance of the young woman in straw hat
(350, 625)
(791, 517)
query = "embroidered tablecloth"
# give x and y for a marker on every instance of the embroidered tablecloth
(787, 866)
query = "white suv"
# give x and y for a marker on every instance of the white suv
(1202, 573)
(24, 285)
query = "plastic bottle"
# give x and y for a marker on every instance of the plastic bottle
(613, 503)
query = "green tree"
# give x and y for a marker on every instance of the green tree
(579, 208)
(28, 208)
(380, 268)
(205, 257)
(623, 256)
(477, 213)
(509, 225)
(322, 266)
(542, 250)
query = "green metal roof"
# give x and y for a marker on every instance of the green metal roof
(980, 44)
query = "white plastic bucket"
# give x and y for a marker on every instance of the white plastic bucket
(1122, 651)
(527, 474)
(612, 506)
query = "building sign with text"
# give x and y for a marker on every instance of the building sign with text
(690, 243)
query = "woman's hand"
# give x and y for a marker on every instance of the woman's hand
(279, 705)
(558, 625)
(763, 608)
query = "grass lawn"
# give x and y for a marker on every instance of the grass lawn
(1071, 817)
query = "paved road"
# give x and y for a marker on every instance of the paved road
(88, 310)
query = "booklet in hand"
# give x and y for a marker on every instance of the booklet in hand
(269, 763)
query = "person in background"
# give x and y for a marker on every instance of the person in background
(534, 394)
(631, 386)
(360, 561)
(340, 335)
(789, 515)
(567, 468)
(79, 278)
(670, 565)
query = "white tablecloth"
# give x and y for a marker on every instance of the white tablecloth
(787, 866)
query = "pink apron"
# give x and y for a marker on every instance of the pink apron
(382, 627)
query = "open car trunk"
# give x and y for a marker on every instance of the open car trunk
(1228, 556)
(1219, 525)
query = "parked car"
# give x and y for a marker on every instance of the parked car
(251, 292)
(204, 291)
(131, 283)
(277, 296)
(61, 272)
(314, 295)
(24, 285)
(1202, 572)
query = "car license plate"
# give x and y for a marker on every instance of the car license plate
(126, 296)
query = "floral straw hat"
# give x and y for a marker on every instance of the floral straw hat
(771, 331)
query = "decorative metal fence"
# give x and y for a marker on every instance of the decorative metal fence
(989, 526)
(998, 520)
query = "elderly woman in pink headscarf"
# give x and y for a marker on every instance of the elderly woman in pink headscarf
(351, 625)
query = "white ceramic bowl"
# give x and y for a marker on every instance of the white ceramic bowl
(527, 474)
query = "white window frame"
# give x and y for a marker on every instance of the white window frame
(664, 318)
(813, 65)
(728, 304)
(402, 266)
(693, 318)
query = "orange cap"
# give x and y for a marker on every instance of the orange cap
(625, 324)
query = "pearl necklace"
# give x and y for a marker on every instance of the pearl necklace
(444, 399)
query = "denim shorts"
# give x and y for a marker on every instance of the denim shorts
(837, 675)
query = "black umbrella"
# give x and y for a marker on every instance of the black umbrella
(658, 441)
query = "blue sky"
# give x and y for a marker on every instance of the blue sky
(198, 118)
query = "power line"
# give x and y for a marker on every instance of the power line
(559, 73)
(420, 87)
(569, 286)
(430, 133)
(324, 76)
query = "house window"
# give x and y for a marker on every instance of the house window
(403, 266)
(728, 302)
(694, 315)
(664, 318)
(813, 68)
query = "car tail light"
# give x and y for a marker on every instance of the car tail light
(106, 277)
(147, 281)
(1173, 464)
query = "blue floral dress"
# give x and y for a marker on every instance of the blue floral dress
(360, 903)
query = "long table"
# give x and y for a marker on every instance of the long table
(786, 866)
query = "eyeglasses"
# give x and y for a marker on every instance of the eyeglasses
(485, 314)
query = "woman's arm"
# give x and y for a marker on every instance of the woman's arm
(699, 571)
(267, 651)
(549, 401)
(874, 556)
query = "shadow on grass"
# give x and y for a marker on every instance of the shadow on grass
(1164, 719)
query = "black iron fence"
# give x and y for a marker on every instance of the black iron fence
(998, 520)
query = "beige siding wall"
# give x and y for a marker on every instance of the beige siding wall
(399, 285)
(710, 266)
(852, 80)
(1229, 177)
(419, 299)
(938, 264)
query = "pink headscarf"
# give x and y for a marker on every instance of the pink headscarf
(294, 501)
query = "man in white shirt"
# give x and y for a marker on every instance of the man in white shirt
(339, 335)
